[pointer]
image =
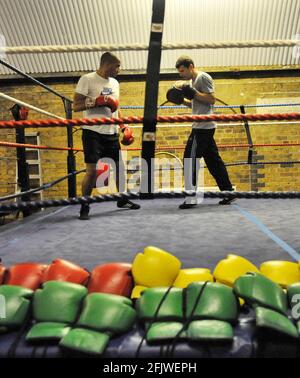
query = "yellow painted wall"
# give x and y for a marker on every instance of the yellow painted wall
(232, 91)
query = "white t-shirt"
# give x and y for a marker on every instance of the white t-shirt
(93, 85)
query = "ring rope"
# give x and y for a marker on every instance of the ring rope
(138, 46)
(214, 106)
(165, 149)
(232, 124)
(235, 146)
(159, 148)
(162, 119)
(42, 187)
(39, 147)
(159, 195)
(227, 165)
(262, 163)
(22, 103)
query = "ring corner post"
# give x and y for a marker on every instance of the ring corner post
(71, 160)
(151, 97)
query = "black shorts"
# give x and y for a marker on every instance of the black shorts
(98, 146)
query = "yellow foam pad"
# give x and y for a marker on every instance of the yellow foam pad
(284, 273)
(231, 268)
(155, 267)
(137, 291)
(187, 276)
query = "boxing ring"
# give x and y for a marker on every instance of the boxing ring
(207, 249)
(269, 233)
(200, 238)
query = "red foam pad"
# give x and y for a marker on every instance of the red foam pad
(63, 270)
(27, 275)
(112, 278)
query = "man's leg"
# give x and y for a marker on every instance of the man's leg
(120, 177)
(89, 180)
(90, 143)
(88, 183)
(189, 170)
(218, 169)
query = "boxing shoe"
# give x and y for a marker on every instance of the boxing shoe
(227, 201)
(84, 212)
(124, 203)
(185, 205)
(190, 202)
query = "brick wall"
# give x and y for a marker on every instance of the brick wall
(232, 91)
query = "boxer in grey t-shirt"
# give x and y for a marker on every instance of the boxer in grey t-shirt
(199, 90)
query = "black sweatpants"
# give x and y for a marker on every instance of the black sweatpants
(200, 144)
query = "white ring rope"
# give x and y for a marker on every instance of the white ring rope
(138, 46)
(12, 99)
(174, 125)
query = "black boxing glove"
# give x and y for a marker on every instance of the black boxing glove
(188, 91)
(175, 95)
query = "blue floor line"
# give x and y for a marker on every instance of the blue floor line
(291, 251)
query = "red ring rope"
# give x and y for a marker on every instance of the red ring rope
(159, 148)
(162, 119)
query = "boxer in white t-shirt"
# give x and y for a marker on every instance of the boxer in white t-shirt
(97, 95)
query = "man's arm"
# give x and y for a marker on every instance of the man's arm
(82, 102)
(79, 102)
(187, 103)
(208, 98)
(192, 93)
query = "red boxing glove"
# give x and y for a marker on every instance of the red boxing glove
(108, 101)
(111, 278)
(20, 113)
(128, 137)
(63, 270)
(23, 113)
(2, 273)
(27, 275)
